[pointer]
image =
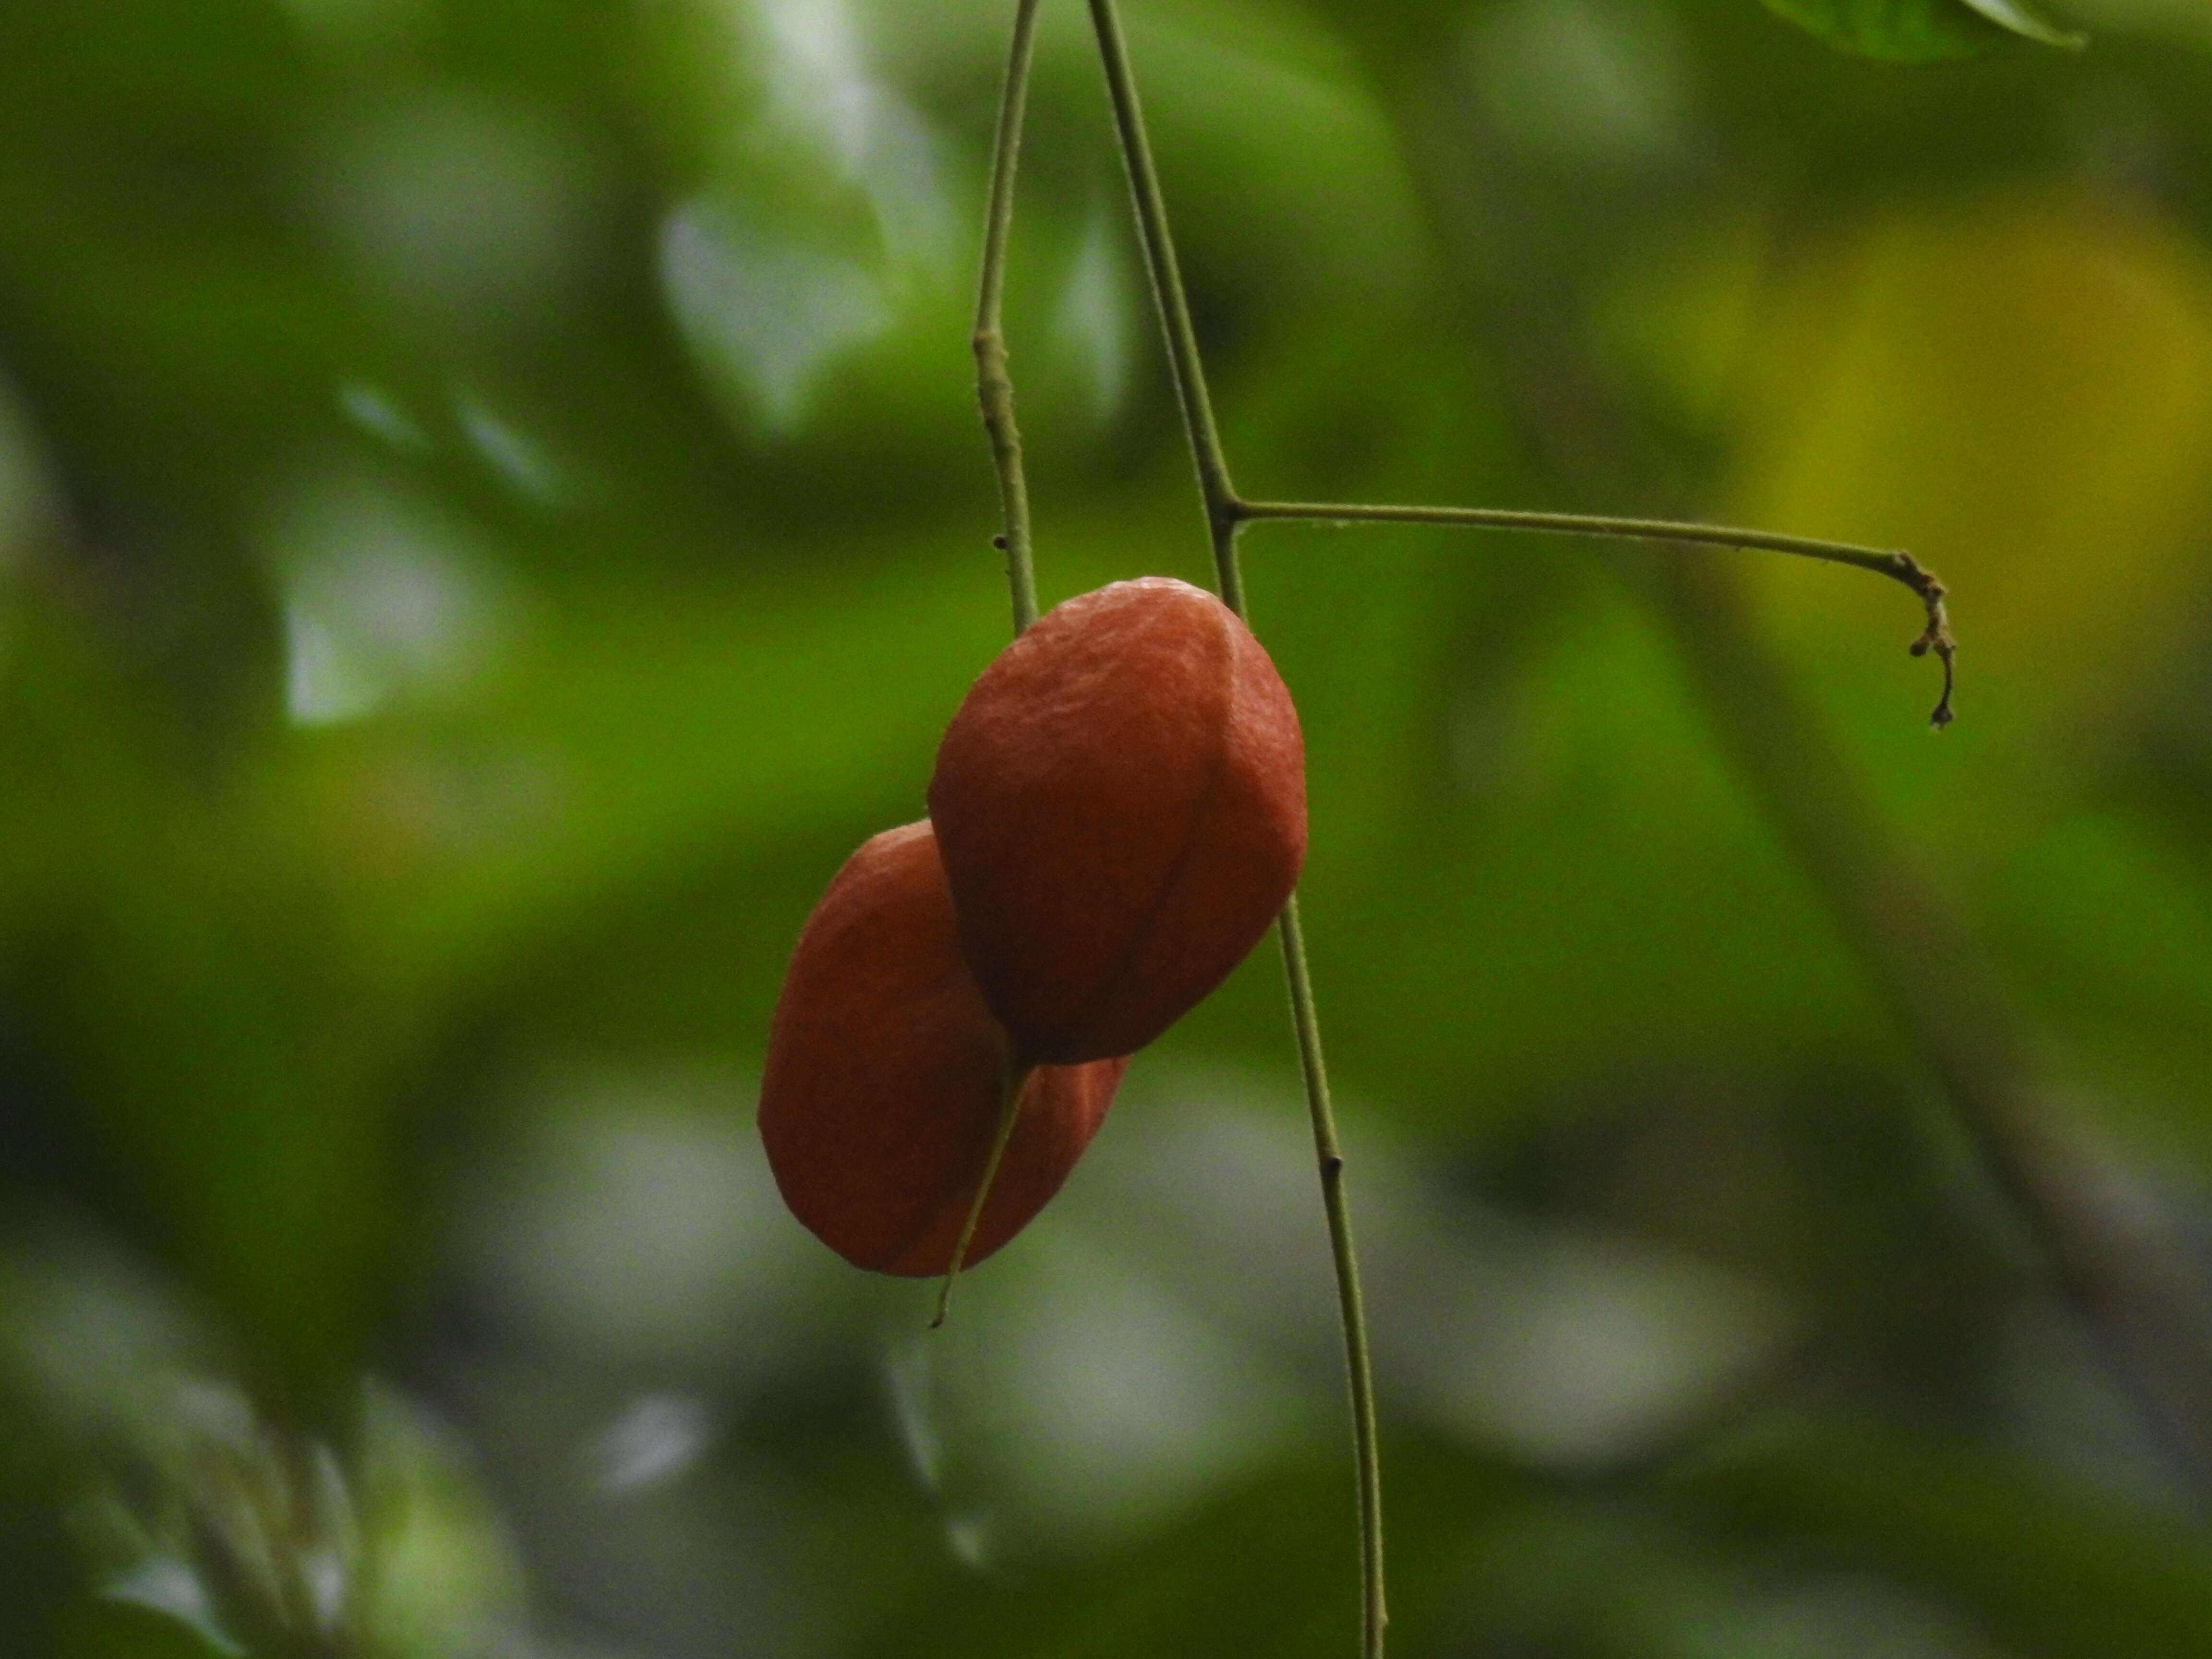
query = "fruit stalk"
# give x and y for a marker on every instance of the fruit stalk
(1012, 1077)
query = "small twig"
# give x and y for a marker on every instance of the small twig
(1899, 567)
(1936, 637)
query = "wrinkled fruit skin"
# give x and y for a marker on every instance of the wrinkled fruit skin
(1121, 804)
(880, 1095)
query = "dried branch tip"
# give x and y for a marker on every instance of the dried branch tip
(1936, 636)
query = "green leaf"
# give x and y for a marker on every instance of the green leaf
(1921, 30)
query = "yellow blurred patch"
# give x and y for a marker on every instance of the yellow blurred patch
(2020, 391)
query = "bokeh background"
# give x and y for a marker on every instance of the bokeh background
(491, 512)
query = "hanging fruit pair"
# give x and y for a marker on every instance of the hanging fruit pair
(886, 1073)
(1116, 815)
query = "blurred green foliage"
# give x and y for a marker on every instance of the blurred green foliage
(491, 512)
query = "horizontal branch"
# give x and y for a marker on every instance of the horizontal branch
(1898, 566)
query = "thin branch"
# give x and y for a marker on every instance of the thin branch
(1224, 519)
(1181, 336)
(994, 388)
(1899, 567)
(1351, 1306)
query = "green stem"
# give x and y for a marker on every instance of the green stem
(1011, 1078)
(1351, 1306)
(994, 388)
(1225, 515)
(1181, 336)
(1883, 561)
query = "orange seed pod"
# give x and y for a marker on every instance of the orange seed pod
(1120, 802)
(882, 1091)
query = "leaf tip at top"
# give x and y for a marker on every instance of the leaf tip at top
(1923, 31)
(2016, 19)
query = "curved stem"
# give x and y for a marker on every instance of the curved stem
(1899, 567)
(1225, 516)
(994, 388)
(1012, 1078)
